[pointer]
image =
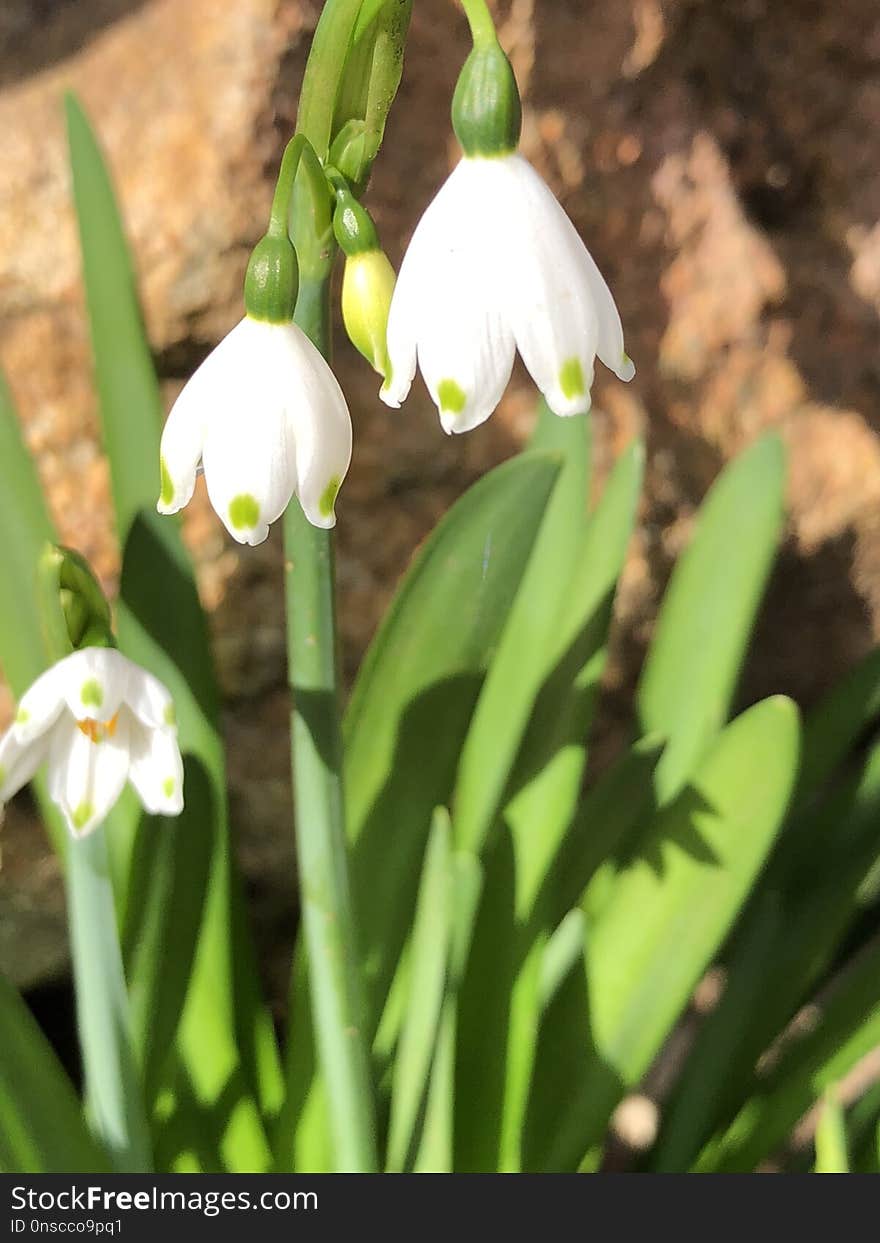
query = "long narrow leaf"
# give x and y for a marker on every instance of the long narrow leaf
(42, 1130)
(709, 609)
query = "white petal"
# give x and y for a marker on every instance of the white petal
(40, 704)
(249, 456)
(319, 425)
(94, 682)
(86, 777)
(157, 771)
(149, 699)
(451, 299)
(183, 437)
(549, 301)
(19, 761)
(443, 224)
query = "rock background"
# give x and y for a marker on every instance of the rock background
(720, 160)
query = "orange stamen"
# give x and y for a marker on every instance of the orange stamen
(97, 731)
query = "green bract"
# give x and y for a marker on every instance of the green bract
(272, 281)
(486, 108)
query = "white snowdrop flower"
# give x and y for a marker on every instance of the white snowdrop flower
(97, 719)
(265, 418)
(495, 265)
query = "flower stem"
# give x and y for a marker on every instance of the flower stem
(325, 898)
(113, 1089)
(480, 21)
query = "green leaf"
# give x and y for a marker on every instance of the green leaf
(787, 939)
(831, 1143)
(425, 666)
(416, 692)
(847, 1027)
(671, 908)
(427, 976)
(42, 1130)
(541, 626)
(25, 529)
(709, 610)
(224, 1034)
(548, 774)
(833, 727)
(436, 1146)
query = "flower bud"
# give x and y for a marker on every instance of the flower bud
(368, 282)
(367, 287)
(75, 612)
(486, 108)
(272, 281)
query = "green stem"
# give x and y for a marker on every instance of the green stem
(480, 21)
(113, 1090)
(325, 897)
(298, 153)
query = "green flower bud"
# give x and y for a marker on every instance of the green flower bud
(486, 108)
(272, 281)
(367, 287)
(74, 610)
(353, 152)
(352, 226)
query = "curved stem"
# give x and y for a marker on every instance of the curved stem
(480, 21)
(298, 154)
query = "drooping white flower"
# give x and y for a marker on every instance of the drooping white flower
(98, 720)
(496, 265)
(266, 418)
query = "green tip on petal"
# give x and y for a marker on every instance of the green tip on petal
(167, 493)
(168, 786)
(81, 815)
(244, 512)
(571, 379)
(2, 775)
(22, 716)
(328, 497)
(451, 396)
(170, 714)
(92, 693)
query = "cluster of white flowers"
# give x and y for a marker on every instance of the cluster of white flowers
(494, 266)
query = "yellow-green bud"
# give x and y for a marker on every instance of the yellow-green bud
(367, 287)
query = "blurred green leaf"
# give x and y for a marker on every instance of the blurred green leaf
(831, 1143)
(25, 529)
(709, 610)
(42, 1130)
(429, 956)
(833, 727)
(846, 1027)
(225, 1036)
(670, 909)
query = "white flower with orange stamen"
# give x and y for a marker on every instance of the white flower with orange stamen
(98, 720)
